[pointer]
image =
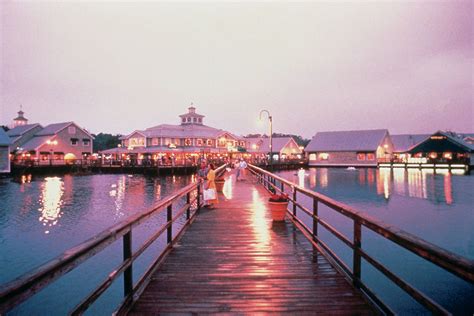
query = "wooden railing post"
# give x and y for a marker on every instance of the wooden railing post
(356, 268)
(188, 201)
(169, 213)
(315, 220)
(128, 273)
(198, 198)
(282, 187)
(294, 201)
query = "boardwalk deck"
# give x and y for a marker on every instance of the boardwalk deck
(234, 259)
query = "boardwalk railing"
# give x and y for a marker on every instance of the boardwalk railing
(24, 287)
(457, 265)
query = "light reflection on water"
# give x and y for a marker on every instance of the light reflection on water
(42, 217)
(434, 205)
(52, 191)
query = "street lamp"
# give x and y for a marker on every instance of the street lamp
(271, 132)
(51, 143)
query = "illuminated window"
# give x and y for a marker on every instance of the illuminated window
(209, 142)
(312, 157)
(360, 156)
(154, 141)
(188, 142)
(199, 142)
(167, 141)
(448, 155)
(323, 156)
(433, 155)
(370, 156)
(71, 130)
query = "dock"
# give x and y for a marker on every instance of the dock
(234, 259)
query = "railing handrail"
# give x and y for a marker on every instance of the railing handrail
(462, 266)
(451, 262)
(28, 284)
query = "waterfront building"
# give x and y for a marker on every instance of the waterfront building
(183, 143)
(444, 148)
(403, 143)
(349, 148)
(4, 152)
(57, 143)
(21, 134)
(283, 148)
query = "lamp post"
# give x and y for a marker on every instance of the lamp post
(271, 132)
(51, 143)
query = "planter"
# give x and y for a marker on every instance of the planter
(219, 185)
(278, 210)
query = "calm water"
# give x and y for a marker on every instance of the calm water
(42, 217)
(438, 207)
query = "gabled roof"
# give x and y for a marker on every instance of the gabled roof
(4, 139)
(53, 129)
(365, 140)
(182, 131)
(402, 143)
(35, 142)
(454, 141)
(21, 129)
(263, 144)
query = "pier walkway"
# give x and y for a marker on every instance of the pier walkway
(235, 259)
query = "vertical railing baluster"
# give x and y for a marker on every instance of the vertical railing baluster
(188, 201)
(169, 213)
(294, 201)
(198, 199)
(282, 186)
(356, 269)
(128, 273)
(315, 220)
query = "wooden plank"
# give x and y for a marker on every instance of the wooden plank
(234, 259)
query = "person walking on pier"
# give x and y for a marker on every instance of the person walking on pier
(241, 166)
(210, 193)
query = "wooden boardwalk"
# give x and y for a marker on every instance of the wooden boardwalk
(233, 259)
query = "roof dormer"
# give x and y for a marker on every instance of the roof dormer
(191, 117)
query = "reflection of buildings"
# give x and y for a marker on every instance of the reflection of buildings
(376, 185)
(51, 201)
(349, 148)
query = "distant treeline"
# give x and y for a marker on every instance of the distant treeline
(104, 141)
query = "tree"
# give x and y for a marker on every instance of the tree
(104, 141)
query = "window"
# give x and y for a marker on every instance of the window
(71, 130)
(312, 157)
(188, 142)
(177, 142)
(183, 120)
(323, 156)
(74, 141)
(200, 120)
(86, 142)
(360, 156)
(370, 156)
(199, 142)
(209, 142)
(189, 119)
(194, 120)
(154, 142)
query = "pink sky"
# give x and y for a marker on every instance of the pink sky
(116, 67)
